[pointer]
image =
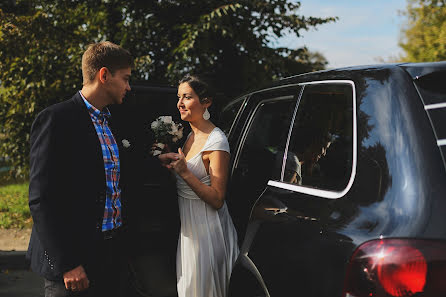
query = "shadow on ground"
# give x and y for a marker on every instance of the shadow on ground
(15, 278)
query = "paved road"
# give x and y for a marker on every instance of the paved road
(17, 281)
(15, 278)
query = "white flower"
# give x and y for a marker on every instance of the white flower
(156, 153)
(126, 143)
(180, 133)
(160, 145)
(166, 130)
(173, 130)
(166, 119)
(154, 125)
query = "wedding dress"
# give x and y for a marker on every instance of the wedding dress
(207, 245)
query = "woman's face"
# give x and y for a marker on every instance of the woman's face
(189, 105)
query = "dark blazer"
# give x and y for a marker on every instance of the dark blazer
(66, 190)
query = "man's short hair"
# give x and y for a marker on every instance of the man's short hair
(104, 54)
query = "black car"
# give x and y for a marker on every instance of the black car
(338, 183)
(151, 205)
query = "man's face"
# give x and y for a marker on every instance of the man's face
(118, 85)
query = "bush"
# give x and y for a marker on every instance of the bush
(14, 209)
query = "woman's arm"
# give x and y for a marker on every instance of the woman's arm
(214, 194)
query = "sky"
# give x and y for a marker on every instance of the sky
(366, 31)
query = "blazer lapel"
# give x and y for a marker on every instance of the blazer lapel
(88, 133)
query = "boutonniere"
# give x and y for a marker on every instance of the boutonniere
(125, 143)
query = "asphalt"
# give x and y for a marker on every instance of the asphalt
(16, 280)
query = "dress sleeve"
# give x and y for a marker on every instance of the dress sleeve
(217, 142)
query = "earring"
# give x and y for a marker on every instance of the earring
(206, 115)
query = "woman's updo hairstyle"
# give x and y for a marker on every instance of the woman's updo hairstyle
(202, 88)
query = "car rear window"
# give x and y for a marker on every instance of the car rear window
(432, 87)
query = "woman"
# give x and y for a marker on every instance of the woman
(207, 246)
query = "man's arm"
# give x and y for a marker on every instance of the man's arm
(45, 201)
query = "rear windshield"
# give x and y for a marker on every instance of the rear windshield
(432, 87)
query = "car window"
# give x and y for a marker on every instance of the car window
(320, 150)
(266, 138)
(432, 88)
(229, 114)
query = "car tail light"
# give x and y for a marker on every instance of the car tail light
(397, 268)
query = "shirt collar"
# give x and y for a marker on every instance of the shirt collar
(96, 113)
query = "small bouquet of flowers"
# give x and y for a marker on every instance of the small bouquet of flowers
(167, 133)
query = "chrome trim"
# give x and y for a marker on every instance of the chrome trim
(326, 193)
(441, 142)
(274, 88)
(242, 107)
(307, 190)
(249, 264)
(248, 127)
(435, 106)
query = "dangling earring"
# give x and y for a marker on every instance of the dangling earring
(206, 115)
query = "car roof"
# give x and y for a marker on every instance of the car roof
(418, 70)
(415, 70)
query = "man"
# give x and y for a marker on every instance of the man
(75, 192)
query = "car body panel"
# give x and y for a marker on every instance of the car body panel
(302, 242)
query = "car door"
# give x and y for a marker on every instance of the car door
(287, 249)
(261, 142)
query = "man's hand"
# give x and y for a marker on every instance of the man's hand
(167, 158)
(76, 279)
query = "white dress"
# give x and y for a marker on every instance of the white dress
(207, 245)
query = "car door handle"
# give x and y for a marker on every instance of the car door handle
(275, 210)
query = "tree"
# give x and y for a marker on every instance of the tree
(424, 36)
(41, 43)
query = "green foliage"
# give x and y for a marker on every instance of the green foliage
(14, 210)
(40, 66)
(424, 36)
(41, 43)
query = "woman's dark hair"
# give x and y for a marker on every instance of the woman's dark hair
(201, 87)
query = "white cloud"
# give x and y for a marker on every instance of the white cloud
(365, 31)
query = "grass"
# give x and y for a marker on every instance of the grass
(14, 210)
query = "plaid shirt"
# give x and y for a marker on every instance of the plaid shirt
(112, 212)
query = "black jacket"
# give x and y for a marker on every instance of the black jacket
(67, 189)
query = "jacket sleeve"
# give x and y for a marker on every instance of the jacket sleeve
(45, 201)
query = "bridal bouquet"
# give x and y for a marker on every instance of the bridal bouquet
(167, 133)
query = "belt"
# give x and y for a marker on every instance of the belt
(113, 233)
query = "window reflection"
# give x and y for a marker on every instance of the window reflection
(229, 114)
(321, 147)
(292, 171)
(266, 138)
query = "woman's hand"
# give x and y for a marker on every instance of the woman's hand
(167, 159)
(180, 165)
